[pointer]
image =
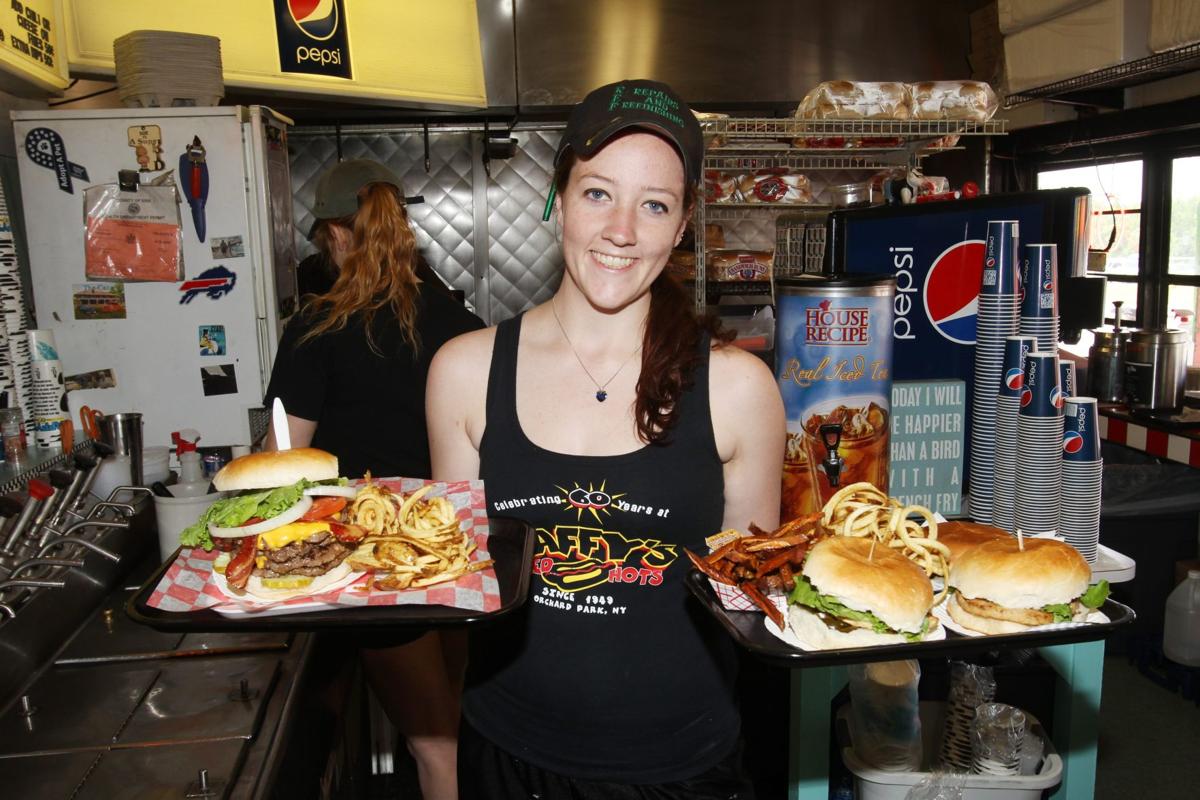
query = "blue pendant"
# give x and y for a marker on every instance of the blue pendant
(601, 395)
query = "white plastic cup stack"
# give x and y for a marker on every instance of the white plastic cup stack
(1008, 403)
(971, 685)
(1039, 446)
(996, 739)
(1082, 477)
(996, 320)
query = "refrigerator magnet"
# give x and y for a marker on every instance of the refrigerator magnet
(228, 247)
(193, 173)
(214, 282)
(96, 379)
(102, 300)
(212, 340)
(218, 380)
(45, 147)
(146, 141)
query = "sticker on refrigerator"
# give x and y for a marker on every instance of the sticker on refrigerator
(46, 148)
(228, 247)
(218, 379)
(146, 141)
(212, 340)
(214, 282)
(98, 300)
(132, 234)
(96, 379)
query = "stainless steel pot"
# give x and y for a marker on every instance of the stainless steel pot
(1156, 369)
(1106, 364)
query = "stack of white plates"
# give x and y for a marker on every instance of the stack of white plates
(997, 319)
(160, 69)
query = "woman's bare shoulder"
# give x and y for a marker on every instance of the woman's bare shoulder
(733, 369)
(467, 350)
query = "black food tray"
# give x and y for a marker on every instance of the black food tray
(749, 630)
(510, 545)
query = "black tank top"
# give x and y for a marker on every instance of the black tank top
(611, 671)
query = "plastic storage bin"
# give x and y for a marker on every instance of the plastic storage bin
(877, 784)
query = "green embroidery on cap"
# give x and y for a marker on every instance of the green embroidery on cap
(616, 96)
(656, 102)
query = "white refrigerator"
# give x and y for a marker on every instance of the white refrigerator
(193, 353)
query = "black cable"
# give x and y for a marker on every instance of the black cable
(82, 97)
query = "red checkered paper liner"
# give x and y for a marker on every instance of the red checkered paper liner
(731, 597)
(189, 584)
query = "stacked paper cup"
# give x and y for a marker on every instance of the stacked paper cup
(48, 395)
(1039, 302)
(1066, 378)
(14, 360)
(1008, 403)
(997, 320)
(1039, 446)
(1082, 468)
(971, 685)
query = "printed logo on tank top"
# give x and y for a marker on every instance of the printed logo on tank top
(578, 558)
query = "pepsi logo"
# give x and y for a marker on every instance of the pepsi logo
(990, 262)
(1026, 397)
(952, 290)
(318, 19)
(1056, 397)
(1048, 285)
(1014, 379)
(1072, 442)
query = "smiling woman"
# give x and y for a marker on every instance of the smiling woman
(607, 681)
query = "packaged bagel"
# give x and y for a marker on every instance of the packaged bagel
(857, 100)
(720, 187)
(970, 100)
(739, 265)
(775, 186)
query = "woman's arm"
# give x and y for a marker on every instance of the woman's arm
(750, 428)
(300, 431)
(456, 404)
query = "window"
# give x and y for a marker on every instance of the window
(1183, 254)
(1116, 225)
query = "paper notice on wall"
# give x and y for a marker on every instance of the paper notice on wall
(132, 235)
(928, 422)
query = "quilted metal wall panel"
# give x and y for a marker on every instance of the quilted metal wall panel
(518, 267)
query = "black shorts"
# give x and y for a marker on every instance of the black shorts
(485, 772)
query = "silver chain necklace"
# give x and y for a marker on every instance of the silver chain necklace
(601, 394)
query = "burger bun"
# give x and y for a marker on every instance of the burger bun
(1045, 572)
(338, 576)
(814, 634)
(961, 535)
(870, 578)
(275, 468)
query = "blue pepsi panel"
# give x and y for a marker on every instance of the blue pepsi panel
(935, 252)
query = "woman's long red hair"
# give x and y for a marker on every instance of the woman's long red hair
(378, 271)
(670, 343)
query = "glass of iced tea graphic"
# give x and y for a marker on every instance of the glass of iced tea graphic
(798, 496)
(859, 426)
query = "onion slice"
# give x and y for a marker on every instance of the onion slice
(290, 515)
(335, 491)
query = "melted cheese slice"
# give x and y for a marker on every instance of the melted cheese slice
(292, 532)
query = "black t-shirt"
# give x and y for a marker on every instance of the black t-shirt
(369, 408)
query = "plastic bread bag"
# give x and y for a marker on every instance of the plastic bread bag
(885, 714)
(720, 187)
(857, 100)
(132, 231)
(775, 186)
(938, 786)
(970, 100)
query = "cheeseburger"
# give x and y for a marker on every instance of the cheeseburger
(849, 595)
(283, 528)
(1001, 588)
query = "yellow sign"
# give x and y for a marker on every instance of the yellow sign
(411, 53)
(29, 51)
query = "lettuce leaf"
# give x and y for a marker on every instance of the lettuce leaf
(1096, 594)
(805, 594)
(234, 511)
(1061, 611)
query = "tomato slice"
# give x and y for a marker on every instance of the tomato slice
(241, 566)
(323, 507)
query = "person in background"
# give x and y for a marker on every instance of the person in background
(351, 372)
(624, 430)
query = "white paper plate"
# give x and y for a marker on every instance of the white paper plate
(789, 637)
(939, 611)
(244, 606)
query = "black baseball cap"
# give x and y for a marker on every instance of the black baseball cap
(619, 106)
(338, 187)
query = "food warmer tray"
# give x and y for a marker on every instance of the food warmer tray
(748, 629)
(510, 545)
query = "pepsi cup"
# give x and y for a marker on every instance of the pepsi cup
(1000, 270)
(1039, 277)
(1012, 373)
(1081, 434)
(1066, 378)
(1041, 395)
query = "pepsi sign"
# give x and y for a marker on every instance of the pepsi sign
(312, 37)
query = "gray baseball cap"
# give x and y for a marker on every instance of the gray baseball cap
(338, 187)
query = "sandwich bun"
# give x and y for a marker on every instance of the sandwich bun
(275, 468)
(883, 582)
(960, 536)
(1045, 572)
(814, 634)
(320, 583)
